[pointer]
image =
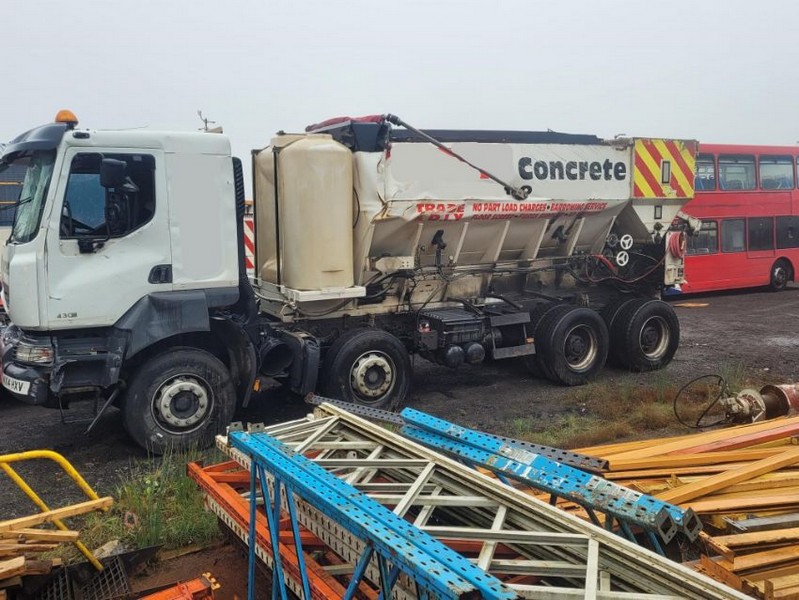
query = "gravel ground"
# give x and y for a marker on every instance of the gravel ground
(756, 329)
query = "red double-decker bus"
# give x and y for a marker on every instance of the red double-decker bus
(748, 201)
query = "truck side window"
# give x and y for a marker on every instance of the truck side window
(89, 211)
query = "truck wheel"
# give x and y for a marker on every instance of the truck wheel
(367, 366)
(609, 314)
(645, 335)
(613, 308)
(573, 345)
(536, 317)
(179, 399)
(780, 275)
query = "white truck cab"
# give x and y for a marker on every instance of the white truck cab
(121, 240)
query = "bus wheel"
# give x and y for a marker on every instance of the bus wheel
(367, 366)
(178, 400)
(572, 345)
(781, 273)
(645, 335)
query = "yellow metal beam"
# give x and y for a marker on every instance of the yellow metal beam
(692, 460)
(665, 472)
(58, 459)
(687, 442)
(67, 467)
(720, 481)
(760, 504)
(774, 536)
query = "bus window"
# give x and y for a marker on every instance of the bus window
(787, 232)
(705, 172)
(761, 233)
(732, 235)
(736, 172)
(776, 173)
(706, 240)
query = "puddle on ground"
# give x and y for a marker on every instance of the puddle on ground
(784, 341)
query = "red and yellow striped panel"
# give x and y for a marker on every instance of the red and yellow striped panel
(664, 168)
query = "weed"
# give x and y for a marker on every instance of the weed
(522, 427)
(571, 431)
(735, 374)
(157, 504)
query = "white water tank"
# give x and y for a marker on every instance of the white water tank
(305, 237)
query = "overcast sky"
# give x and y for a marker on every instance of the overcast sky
(720, 70)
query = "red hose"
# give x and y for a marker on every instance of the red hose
(676, 245)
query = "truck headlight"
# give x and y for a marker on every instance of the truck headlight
(36, 354)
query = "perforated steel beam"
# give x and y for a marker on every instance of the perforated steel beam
(535, 549)
(540, 472)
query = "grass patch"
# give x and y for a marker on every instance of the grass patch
(606, 412)
(157, 503)
(574, 431)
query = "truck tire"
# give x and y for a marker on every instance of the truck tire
(572, 345)
(178, 399)
(781, 274)
(367, 366)
(610, 314)
(536, 316)
(645, 335)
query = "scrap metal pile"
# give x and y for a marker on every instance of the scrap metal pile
(339, 507)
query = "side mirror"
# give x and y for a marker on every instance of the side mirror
(112, 173)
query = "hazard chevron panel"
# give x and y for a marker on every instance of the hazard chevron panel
(249, 244)
(664, 168)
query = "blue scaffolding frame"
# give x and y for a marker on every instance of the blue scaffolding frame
(396, 545)
(661, 520)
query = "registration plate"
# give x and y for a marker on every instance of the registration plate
(16, 385)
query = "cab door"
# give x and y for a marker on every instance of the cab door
(106, 247)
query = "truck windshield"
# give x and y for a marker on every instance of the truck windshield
(31, 199)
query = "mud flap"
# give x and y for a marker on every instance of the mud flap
(304, 370)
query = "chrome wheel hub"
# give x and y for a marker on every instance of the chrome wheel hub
(654, 338)
(780, 275)
(372, 375)
(580, 348)
(181, 402)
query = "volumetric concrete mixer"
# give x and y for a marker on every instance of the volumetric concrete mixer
(380, 240)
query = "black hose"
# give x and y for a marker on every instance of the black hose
(723, 392)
